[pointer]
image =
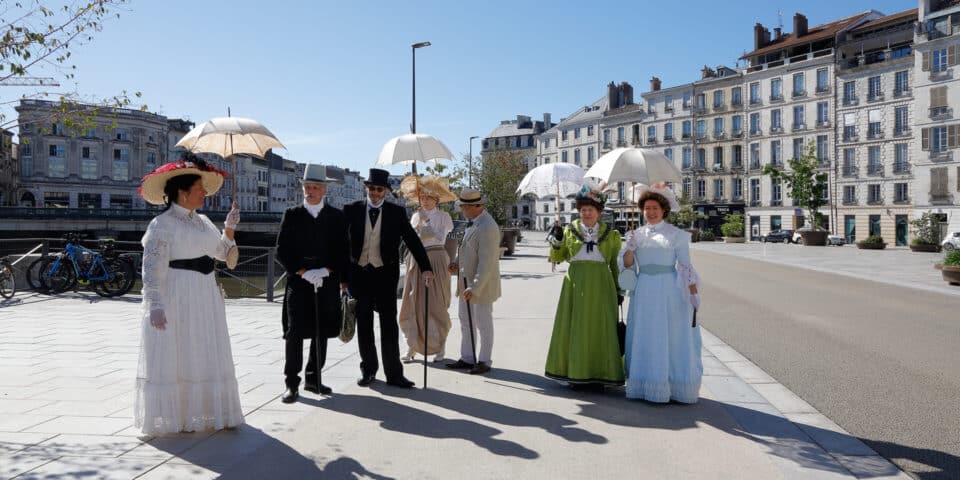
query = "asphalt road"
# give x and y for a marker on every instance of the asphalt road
(881, 361)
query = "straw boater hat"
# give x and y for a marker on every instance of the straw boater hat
(469, 196)
(151, 187)
(430, 185)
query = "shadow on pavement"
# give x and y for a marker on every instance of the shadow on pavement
(501, 414)
(397, 417)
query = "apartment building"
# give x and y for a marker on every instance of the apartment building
(936, 92)
(875, 144)
(621, 126)
(521, 136)
(788, 79)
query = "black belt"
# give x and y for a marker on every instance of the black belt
(203, 264)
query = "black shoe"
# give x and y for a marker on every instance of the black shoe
(401, 382)
(366, 380)
(321, 390)
(479, 369)
(290, 395)
(460, 365)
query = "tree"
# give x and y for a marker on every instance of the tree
(807, 185)
(499, 176)
(733, 226)
(686, 216)
(37, 34)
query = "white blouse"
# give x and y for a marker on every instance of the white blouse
(434, 228)
(589, 235)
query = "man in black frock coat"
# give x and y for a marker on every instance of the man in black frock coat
(312, 247)
(375, 228)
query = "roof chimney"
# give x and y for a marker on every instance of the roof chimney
(627, 92)
(799, 25)
(546, 121)
(707, 72)
(759, 39)
(654, 84)
(777, 34)
(612, 97)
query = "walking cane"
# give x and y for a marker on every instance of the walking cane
(473, 343)
(426, 329)
(316, 338)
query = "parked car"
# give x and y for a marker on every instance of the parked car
(785, 236)
(837, 240)
(952, 242)
(796, 238)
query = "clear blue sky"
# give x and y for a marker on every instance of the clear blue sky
(332, 79)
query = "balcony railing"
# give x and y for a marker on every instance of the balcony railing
(901, 132)
(717, 167)
(823, 89)
(719, 135)
(940, 198)
(941, 113)
(667, 108)
(875, 97)
(668, 138)
(776, 98)
(799, 93)
(755, 166)
(875, 201)
(736, 103)
(850, 171)
(823, 163)
(754, 203)
(875, 170)
(874, 134)
(849, 200)
(621, 143)
(851, 137)
(756, 132)
(941, 156)
(776, 203)
(719, 200)
(685, 136)
(737, 133)
(902, 92)
(901, 168)
(823, 123)
(755, 101)
(941, 75)
(735, 166)
(850, 101)
(776, 163)
(651, 140)
(901, 201)
(799, 126)
(777, 129)
(699, 109)
(719, 107)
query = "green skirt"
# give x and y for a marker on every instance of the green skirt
(584, 346)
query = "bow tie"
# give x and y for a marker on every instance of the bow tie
(470, 224)
(374, 213)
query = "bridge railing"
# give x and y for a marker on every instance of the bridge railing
(258, 273)
(122, 214)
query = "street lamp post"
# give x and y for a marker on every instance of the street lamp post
(470, 164)
(413, 51)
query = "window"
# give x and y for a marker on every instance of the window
(88, 200)
(938, 60)
(754, 93)
(717, 157)
(822, 149)
(775, 153)
(652, 133)
(121, 134)
(546, 143)
(901, 83)
(737, 188)
(850, 126)
(873, 195)
(755, 156)
(687, 182)
(718, 126)
(797, 148)
(121, 201)
(737, 124)
(799, 89)
(938, 102)
(849, 194)
(701, 188)
(686, 100)
(687, 129)
(901, 158)
(564, 157)
(701, 158)
(620, 134)
(26, 160)
(737, 154)
(736, 96)
(938, 184)
(668, 152)
(901, 193)
(686, 160)
(823, 113)
(718, 188)
(776, 122)
(576, 132)
(823, 81)
(798, 117)
(873, 88)
(590, 131)
(576, 157)
(701, 128)
(755, 124)
(938, 139)
(776, 192)
(701, 101)
(563, 135)
(900, 120)
(590, 156)
(718, 99)
(668, 131)
(850, 93)
(755, 191)
(56, 199)
(874, 166)
(57, 162)
(776, 89)
(89, 167)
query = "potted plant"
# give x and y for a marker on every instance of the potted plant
(925, 234)
(733, 228)
(686, 217)
(707, 236)
(873, 242)
(950, 268)
(808, 187)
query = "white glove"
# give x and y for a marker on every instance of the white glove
(695, 300)
(631, 241)
(233, 218)
(316, 276)
(158, 319)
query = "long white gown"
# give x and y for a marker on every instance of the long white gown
(186, 379)
(662, 354)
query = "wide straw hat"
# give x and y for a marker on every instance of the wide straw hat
(151, 188)
(429, 185)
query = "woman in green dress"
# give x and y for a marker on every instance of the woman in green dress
(584, 349)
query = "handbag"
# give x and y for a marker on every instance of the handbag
(628, 279)
(348, 312)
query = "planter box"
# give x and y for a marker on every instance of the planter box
(508, 240)
(925, 248)
(951, 274)
(735, 239)
(814, 238)
(871, 246)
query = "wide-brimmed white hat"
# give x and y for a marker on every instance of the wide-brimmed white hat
(661, 189)
(153, 183)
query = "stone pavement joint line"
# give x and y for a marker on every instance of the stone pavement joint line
(68, 364)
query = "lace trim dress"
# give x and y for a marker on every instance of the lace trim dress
(433, 231)
(185, 377)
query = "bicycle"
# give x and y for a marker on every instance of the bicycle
(106, 273)
(8, 282)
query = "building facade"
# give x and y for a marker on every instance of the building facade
(520, 136)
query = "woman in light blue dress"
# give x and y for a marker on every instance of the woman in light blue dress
(662, 354)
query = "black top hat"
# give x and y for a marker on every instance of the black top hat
(379, 177)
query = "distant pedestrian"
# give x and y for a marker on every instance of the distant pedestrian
(584, 349)
(663, 340)
(375, 228)
(312, 247)
(432, 226)
(185, 378)
(478, 283)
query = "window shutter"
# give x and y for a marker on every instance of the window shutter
(925, 64)
(958, 179)
(925, 139)
(938, 97)
(952, 55)
(952, 131)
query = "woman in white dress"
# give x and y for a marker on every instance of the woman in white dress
(662, 356)
(432, 226)
(186, 380)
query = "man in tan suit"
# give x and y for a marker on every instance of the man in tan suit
(478, 285)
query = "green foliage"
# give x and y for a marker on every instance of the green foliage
(873, 240)
(707, 236)
(733, 226)
(925, 229)
(686, 216)
(499, 177)
(807, 185)
(952, 258)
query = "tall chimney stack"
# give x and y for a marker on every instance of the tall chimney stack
(654, 84)
(799, 25)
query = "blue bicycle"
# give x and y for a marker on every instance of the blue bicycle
(105, 272)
